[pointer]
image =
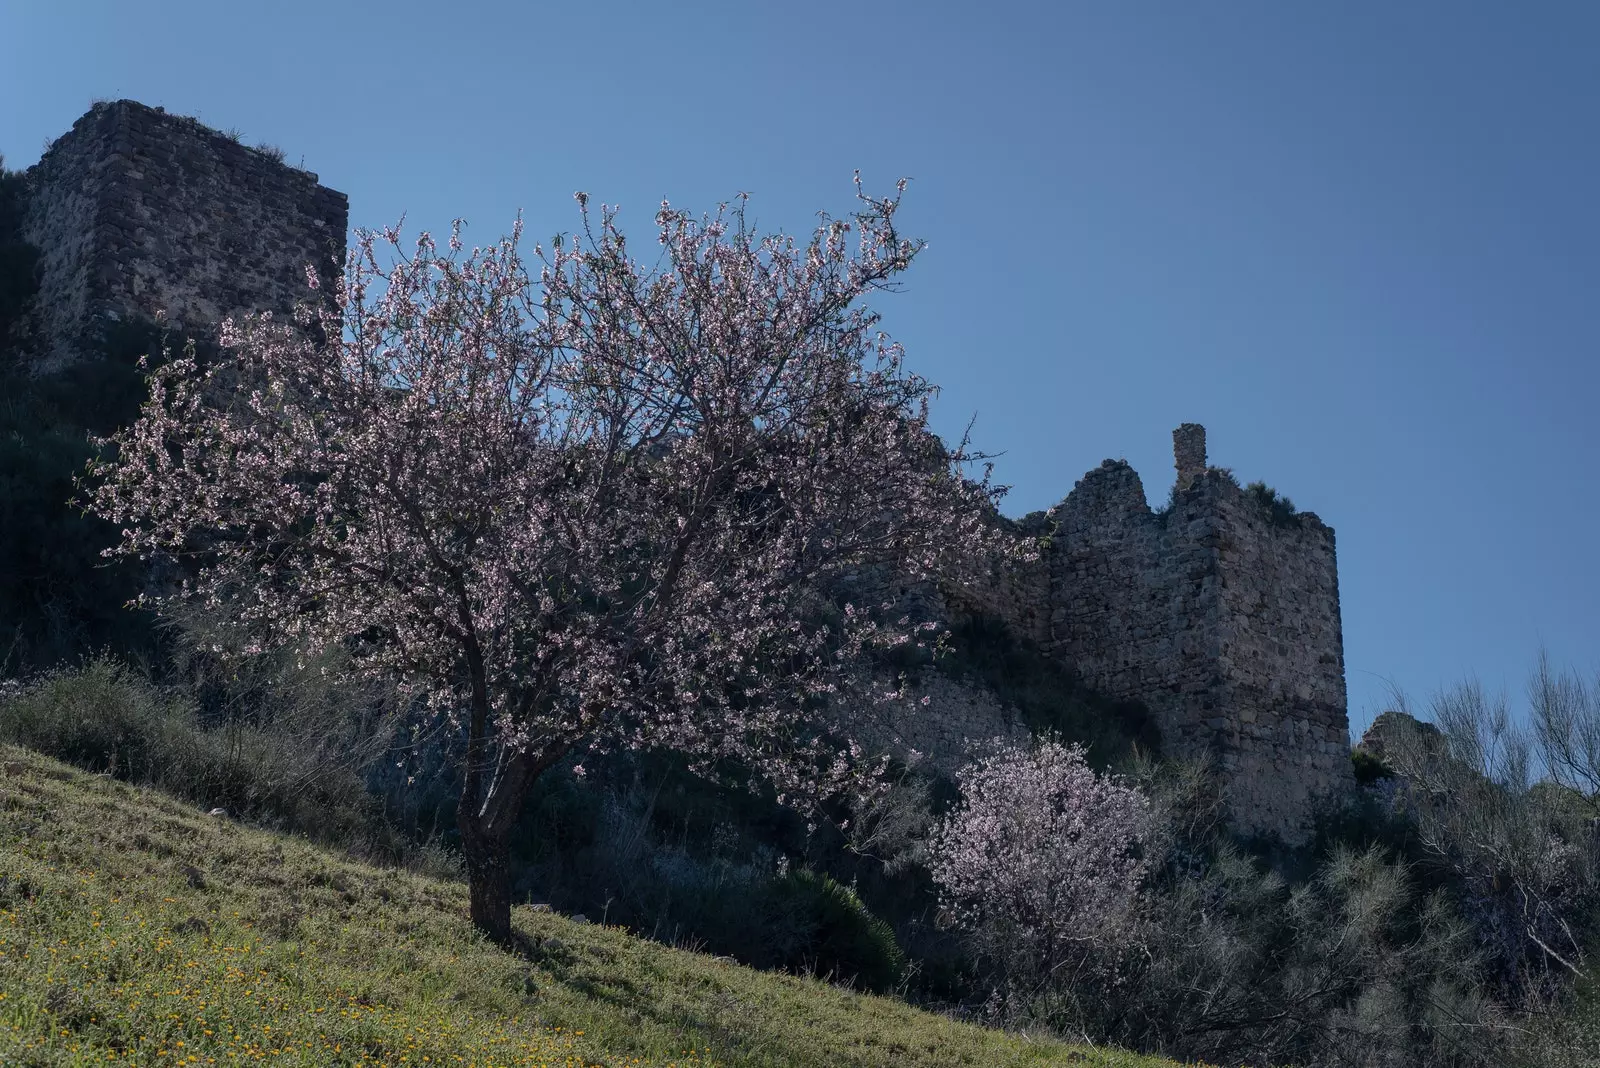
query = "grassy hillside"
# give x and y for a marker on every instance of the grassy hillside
(134, 928)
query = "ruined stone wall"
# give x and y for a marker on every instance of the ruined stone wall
(1286, 736)
(136, 211)
(1136, 600)
(959, 720)
(1217, 614)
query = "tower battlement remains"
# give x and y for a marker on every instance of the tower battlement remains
(1219, 613)
(135, 212)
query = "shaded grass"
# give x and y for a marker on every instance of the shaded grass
(134, 928)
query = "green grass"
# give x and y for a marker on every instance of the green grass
(135, 928)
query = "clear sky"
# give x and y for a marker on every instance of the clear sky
(1359, 241)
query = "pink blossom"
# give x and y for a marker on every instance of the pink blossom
(594, 506)
(1041, 852)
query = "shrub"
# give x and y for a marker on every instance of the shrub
(1220, 957)
(17, 259)
(101, 718)
(1522, 857)
(1570, 1034)
(1279, 510)
(1229, 960)
(820, 925)
(1368, 768)
(59, 600)
(104, 717)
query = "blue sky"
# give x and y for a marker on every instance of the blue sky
(1359, 241)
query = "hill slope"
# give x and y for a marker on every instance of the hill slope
(134, 928)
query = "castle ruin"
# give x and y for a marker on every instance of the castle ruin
(137, 212)
(1219, 613)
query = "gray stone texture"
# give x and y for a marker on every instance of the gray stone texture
(1219, 618)
(959, 720)
(1189, 452)
(136, 212)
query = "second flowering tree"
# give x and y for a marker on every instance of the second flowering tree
(1041, 857)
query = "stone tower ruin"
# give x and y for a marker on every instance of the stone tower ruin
(1219, 613)
(135, 212)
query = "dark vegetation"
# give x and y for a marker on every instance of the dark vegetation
(1420, 926)
(1280, 510)
(58, 599)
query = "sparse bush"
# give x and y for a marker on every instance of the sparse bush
(106, 718)
(892, 827)
(1569, 1035)
(312, 695)
(1523, 856)
(1279, 510)
(272, 152)
(1223, 958)
(101, 718)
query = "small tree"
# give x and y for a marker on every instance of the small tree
(592, 509)
(1040, 854)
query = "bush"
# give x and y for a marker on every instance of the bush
(820, 925)
(1279, 510)
(1522, 858)
(1222, 958)
(639, 842)
(1368, 768)
(103, 717)
(1570, 1035)
(17, 260)
(59, 600)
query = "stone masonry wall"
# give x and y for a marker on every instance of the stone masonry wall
(136, 211)
(1217, 615)
(958, 722)
(1285, 736)
(1135, 601)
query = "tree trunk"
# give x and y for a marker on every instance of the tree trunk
(488, 878)
(485, 816)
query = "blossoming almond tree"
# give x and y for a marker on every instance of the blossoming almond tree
(1041, 853)
(592, 508)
